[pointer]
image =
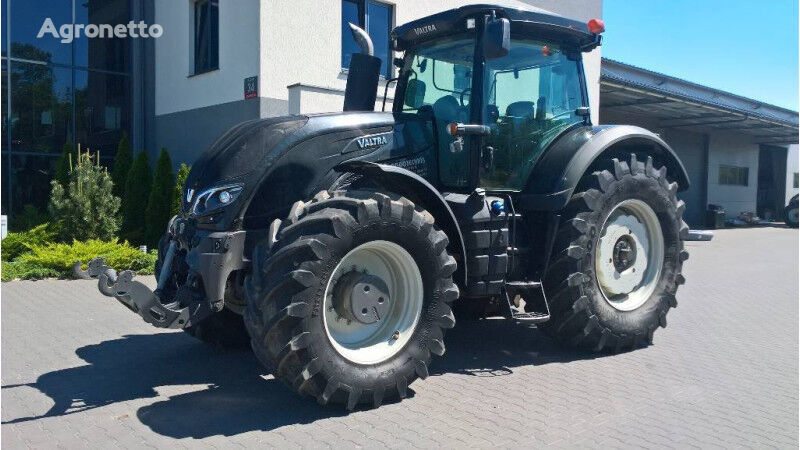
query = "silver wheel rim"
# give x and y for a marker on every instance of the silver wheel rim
(629, 255)
(379, 341)
(792, 215)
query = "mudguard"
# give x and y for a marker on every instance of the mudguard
(557, 173)
(403, 181)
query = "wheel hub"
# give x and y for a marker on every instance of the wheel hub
(361, 297)
(624, 253)
(629, 255)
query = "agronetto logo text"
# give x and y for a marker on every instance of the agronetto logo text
(69, 32)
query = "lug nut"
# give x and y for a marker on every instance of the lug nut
(396, 335)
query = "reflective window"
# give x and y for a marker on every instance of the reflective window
(206, 36)
(107, 53)
(102, 109)
(27, 18)
(733, 175)
(376, 19)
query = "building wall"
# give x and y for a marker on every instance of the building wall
(734, 150)
(792, 167)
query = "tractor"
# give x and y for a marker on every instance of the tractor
(339, 245)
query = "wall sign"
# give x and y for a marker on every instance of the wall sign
(250, 87)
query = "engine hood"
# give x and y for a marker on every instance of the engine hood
(287, 156)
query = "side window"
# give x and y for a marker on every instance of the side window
(374, 17)
(532, 95)
(206, 36)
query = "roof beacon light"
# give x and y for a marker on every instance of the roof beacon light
(596, 26)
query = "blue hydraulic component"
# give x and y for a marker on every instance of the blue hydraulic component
(498, 206)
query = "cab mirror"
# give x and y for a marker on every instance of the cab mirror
(415, 93)
(497, 38)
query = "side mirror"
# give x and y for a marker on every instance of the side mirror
(415, 93)
(497, 38)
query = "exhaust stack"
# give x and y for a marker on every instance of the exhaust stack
(363, 74)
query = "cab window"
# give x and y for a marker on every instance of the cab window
(531, 95)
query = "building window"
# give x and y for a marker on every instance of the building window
(376, 18)
(206, 36)
(796, 180)
(732, 175)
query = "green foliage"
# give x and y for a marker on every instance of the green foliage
(69, 157)
(122, 165)
(56, 260)
(159, 204)
(86, 208)
(28, 218)
(180, 182)
(137, 191)
(16, 244)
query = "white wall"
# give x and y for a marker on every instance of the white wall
(792, 167)
(301, 43)
(176, 89)
(734, 150)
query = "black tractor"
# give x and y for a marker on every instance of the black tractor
(339, 245)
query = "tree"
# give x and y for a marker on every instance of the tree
(87, 207)
(180, 182)
(137, 191)
(68, 157)
(159, 204)
(122, 165)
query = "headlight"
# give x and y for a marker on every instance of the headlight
(215, 198)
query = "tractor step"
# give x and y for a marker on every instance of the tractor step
(532, 293)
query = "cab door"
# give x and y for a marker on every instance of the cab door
(531, 96)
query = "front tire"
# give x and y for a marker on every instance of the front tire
(618, 221)
(295, 315)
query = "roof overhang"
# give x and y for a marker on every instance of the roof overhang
(676, 103)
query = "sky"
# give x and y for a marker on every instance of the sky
(749, 48)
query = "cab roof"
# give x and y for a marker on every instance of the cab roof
(532, 22)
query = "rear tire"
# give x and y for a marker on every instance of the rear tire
(222, 329)
(287, 296)
(791, 215)
(586, 311)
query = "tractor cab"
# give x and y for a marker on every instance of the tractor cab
(500, 85)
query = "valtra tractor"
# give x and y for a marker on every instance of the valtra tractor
(339, 245)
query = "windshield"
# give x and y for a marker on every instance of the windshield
(436, 81)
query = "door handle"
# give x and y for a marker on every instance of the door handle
(487, 158)
(460, 129)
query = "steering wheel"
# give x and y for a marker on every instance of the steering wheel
(463, 93)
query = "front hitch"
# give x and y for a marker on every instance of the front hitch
(182, 312)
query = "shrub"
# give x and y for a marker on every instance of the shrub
(87, 208)
(56, 260)
(137, 190)
(159, 204)
(122, 165)
(68, 157)
(16, 244)
(28, 218)
(180, 182)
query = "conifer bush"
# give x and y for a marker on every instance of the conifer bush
(137, 192)
(180, 183)
(86, 207)
(159, 203)
(122, 165)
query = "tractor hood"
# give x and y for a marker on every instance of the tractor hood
(265, 165)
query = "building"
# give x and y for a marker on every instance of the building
(218, 64)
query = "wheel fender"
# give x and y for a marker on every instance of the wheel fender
(403, 181)
(557, 173)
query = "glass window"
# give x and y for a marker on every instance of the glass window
(108, 53)
(376, 19)
(796, 180)
(41, 108)
(436, 80)
(206, 36)
(532, 96)
(102, 109)
(732, 175)
(27, 18)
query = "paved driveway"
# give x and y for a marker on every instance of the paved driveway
(78, 370)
